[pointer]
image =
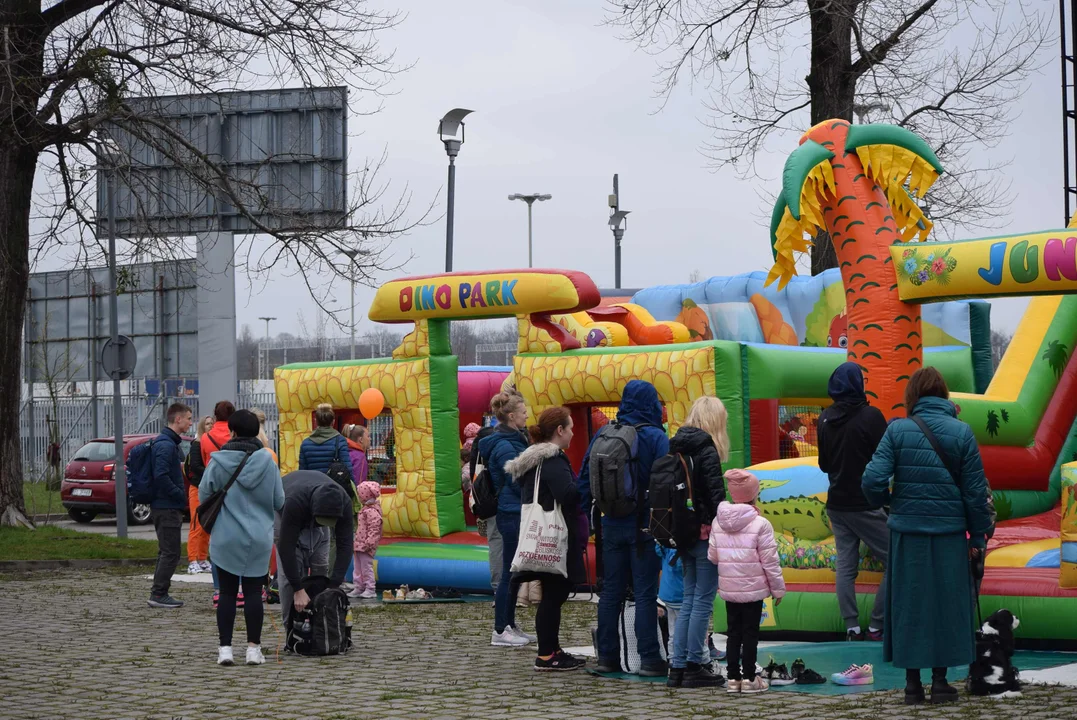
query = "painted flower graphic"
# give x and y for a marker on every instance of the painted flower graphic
(908, 253)
(919, 267)
(938, 267)
(910, 265)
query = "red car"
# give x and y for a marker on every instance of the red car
(89, 485)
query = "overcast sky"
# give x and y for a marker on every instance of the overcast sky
(560, 105)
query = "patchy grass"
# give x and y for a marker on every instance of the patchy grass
(53, 543)
(40, 500)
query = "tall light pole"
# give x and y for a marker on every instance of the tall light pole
(447, 128)
(110, 156)
(267, 319)
(617, 225)
(530, 200)
(351, 255)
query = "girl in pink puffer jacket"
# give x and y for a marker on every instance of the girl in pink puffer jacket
(742, 546)
(367, 539)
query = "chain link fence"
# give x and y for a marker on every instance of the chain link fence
(75, 421)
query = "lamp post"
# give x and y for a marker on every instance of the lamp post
(530, 200)
(617, 225)
(267, 319)
(351, 255)
(447, 128)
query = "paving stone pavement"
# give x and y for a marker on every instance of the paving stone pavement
(84, 646)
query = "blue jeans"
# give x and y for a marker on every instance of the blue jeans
(625, 561)
(508, 524)
(694, 619)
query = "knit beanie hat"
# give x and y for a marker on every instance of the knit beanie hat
(743, 487)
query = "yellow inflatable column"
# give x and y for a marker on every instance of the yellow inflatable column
(1067, 575)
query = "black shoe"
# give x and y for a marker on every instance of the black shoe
(676, 677)
(942, 692)
(701, 676)
(854, 635)
(914, 695)
(164, 601)
(656, 669)
(807, 676)
(559, 662)
(608, 666)
(796, 668)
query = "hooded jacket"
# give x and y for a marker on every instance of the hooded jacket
(639, 407)
(557, 483)
(742, 546)
(360, 464)
(497, 449)
(309, 495)
(925, 499)
(849, 432)
(169, 491)
(368, 532)
(708, 488)
(242, 536)
(324, 446)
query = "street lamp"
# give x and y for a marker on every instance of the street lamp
(447, 128)
(267, 319)
(617, 224)
(530, 200)
(351, 255)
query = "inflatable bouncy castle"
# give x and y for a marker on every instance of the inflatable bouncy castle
(766, 344)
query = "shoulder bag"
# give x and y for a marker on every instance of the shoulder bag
(209, 510)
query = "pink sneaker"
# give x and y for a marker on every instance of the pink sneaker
(855, 675)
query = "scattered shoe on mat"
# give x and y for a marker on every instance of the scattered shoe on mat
(855, 675)
(778, 675)
(804, 675)
(418, 594)
(560, 661)
(387, 595)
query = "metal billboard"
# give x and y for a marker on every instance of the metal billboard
(67, 321)
(284, 151)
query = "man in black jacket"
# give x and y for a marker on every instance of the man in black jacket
(849, 432)
(313, 502)
(169, 499)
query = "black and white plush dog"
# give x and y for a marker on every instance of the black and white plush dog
(993, 674)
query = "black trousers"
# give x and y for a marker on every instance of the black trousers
(253, 613)
(555, 590)
(742, 638)
(167, 523)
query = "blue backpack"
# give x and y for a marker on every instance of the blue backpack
(140, 474)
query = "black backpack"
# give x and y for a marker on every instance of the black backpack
(614, 486)
(483, 494)
(324, 628)
(674, 520)
(340, 471)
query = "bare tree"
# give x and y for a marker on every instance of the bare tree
(72, 69)
(999, 342)
(949, 70)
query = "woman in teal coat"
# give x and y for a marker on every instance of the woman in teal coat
(937, 523)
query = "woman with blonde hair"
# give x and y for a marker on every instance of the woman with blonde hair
(260, 414)
(702, 444)
(193, 469)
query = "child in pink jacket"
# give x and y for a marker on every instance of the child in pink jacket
(367, 539)
(742, 546)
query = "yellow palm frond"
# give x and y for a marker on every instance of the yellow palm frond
(891, 168)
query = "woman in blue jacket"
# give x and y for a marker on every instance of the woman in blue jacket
(937, 523)
(496, 449)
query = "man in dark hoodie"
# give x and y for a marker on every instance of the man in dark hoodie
(312, 501)
(628, 554)
(849, 432)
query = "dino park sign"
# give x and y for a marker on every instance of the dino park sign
(484, 294)
(1042, 263)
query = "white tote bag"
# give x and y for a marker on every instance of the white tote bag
(543, 543)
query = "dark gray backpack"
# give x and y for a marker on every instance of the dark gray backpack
(614, 455)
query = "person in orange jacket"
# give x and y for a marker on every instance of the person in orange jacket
(219, 434)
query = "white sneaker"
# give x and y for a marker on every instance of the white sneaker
(194, 568)
(520, 633)
(207, 566)
(255, 656)
(368, 595)
(507, 638)
(224, 656)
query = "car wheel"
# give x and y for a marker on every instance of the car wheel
(82, 517)
(138, 514)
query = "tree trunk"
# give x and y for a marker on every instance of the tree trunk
(17, 166)
(832, 86)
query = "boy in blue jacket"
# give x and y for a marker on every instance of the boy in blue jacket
(628, 555)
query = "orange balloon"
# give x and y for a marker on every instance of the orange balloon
(371, 403)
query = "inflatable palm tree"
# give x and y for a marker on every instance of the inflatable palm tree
(850, 181)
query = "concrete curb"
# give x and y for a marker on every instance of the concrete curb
(85, 564)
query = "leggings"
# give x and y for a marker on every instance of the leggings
(252, 607)
(555, 590)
